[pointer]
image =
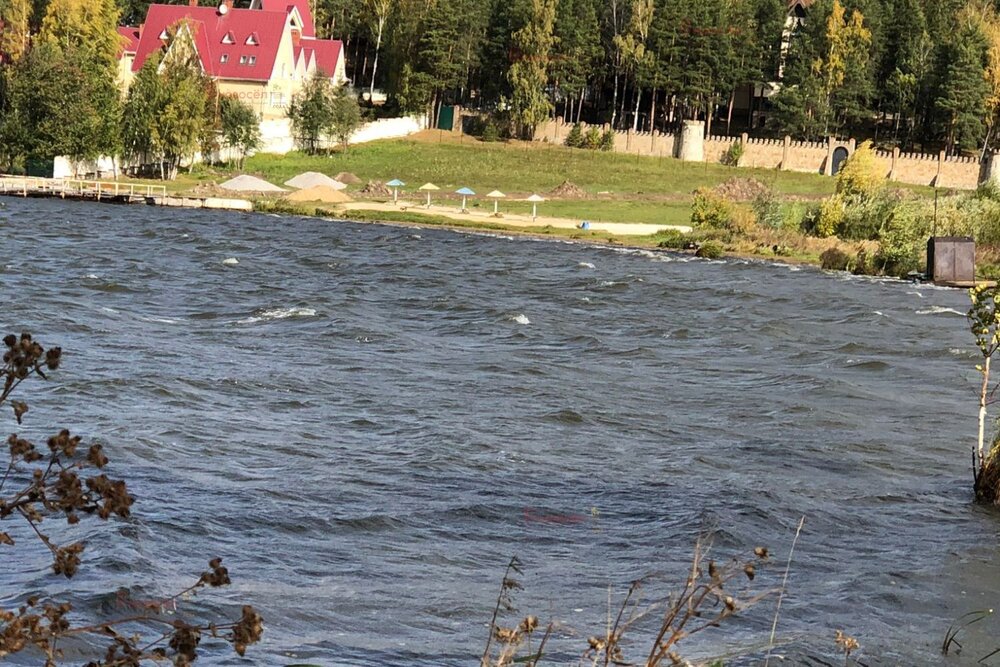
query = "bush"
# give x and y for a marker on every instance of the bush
(829, 217)
(592, 140)
(902, 244)
(863, 265)
(742, 221)
(575, 137)
(767, 210)
(491, 133)
(864, 218)
(733, 155)
(835, 259)
(671, 238)
(608, 141)
(861, 175)
(710, 209)
(709, 250)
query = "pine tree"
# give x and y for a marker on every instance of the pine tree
(961, 98)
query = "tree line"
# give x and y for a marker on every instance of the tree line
(919, 74)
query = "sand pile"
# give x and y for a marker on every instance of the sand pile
(312, 179)
(347, 178)
(244, 183)
(741, 189)
(568, 190)
(320, 193)
(376, 189)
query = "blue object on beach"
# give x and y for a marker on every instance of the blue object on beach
(584, 225)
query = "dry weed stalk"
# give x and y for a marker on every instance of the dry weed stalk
(64, 482)
(510, 640)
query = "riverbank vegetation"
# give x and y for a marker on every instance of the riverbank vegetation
(67, 481)
(855, 222)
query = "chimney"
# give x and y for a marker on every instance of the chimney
(192, 3)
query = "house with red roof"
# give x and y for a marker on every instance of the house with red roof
(262, 54)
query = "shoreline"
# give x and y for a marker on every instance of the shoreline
(486, 228)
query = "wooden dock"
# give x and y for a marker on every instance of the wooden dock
(112, 192)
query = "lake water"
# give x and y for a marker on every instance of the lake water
(366, 422)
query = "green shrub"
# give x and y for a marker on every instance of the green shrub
(592, 139)
(863, 264)
(709, 250)
(767, 210)
(671, 238)
(575, 137)
(865, 217)
(491, 133)
(742, 221)
(733, 155)
(608, 141)
(902, 244)
(835, 259)
(710, 209)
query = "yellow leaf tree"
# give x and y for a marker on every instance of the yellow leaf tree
(16, 17)
(87, 25)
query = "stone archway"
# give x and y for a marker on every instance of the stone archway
(840, 154)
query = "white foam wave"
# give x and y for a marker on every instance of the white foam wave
(916, 294)
(92, 276)
(586, 265)
(279, 314)
(231, 261)
(940, 310)
(520, 318)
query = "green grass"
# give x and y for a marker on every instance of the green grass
(523, 168)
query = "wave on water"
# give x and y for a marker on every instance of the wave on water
(586, 265)
(278, 314)
(520, 318)
(230, 261)
(940, 310)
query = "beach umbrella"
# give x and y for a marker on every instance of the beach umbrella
(496, 196)
(395, 184)
(428, 188)
(534, 199)
(465, 192)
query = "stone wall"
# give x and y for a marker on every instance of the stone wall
(786, 154)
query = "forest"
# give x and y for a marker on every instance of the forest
(923, 75)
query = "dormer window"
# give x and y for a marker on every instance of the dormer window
(224, 59)
(252, 60)
(164, 35)
(253, 40)
(229, 38)
(243, 60)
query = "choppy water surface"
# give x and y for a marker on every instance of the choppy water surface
(366, 422)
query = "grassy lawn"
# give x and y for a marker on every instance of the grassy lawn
(519, 167)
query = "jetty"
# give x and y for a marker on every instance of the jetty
(113, 192)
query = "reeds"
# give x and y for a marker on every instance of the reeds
(712, 592)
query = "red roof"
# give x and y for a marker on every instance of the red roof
(253, 61)
(130, 41)
(284, 6)
(326, 52)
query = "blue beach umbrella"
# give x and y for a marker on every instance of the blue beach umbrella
(395, 184)
(465, 192)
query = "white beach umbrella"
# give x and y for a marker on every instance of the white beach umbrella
(496, 196)
(428, 188)
(534, 199)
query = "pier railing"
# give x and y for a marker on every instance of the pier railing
(56, 187)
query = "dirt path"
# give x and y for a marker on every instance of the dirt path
(512, 220)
